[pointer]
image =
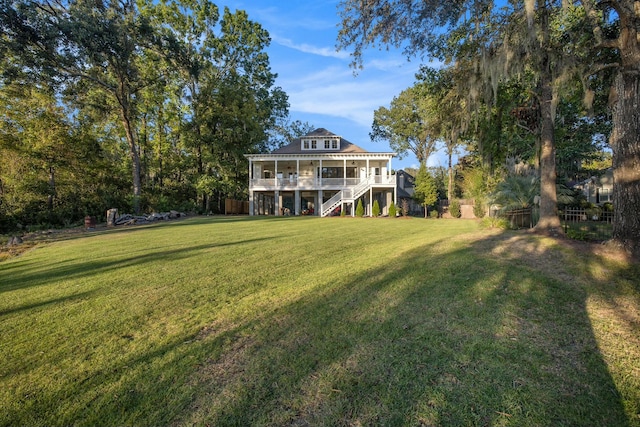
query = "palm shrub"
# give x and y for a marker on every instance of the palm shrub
(360, 209)
(516, 192)
(392, 210)
(376, 208)
(520, 192)
(454, 209)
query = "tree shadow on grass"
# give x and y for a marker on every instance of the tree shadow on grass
(27, 275)
(470, 334)
(49, 302)
(440, 338)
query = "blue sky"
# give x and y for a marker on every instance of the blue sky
(321, 86)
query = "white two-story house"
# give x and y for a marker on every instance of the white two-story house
(319, 174)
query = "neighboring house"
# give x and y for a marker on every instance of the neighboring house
(598, 190)
(319, 174)
(406, 188)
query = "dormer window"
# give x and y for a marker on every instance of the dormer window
(326, 144)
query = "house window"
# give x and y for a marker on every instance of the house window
(334, 144)
(305, 145)
(330, 172)
(327, 144)
(313, 144)
(604, 195)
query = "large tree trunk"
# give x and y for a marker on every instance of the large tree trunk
(135, 158)
(549, 222)
(625, 136)
(52, 189)
(450, 176)
(625, 143)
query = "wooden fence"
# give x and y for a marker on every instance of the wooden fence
(236, 207)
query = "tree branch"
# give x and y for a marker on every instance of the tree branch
(600, 67)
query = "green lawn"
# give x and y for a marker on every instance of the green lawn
(307, 321)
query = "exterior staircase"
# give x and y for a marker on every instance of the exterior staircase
(348, 195)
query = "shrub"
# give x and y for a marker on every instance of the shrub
(577, 234)
(454, 209)
(478, 209)
(392, 210)
(495, 222)
(376, 208)
(405, 207)
(360, 209)
(343, 212)
(434, 213)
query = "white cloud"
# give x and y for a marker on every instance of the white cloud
(391, 64)
(334, 91)
(307, 48)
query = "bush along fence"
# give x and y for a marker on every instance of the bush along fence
(593, 224)
(589, 224)
(456, 208)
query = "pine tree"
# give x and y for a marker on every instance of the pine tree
(425, 191)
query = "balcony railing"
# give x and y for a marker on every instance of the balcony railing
(319, 183)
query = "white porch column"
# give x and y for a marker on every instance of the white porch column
(370, 205)
(275, 174)
(344, 172)
(276, 201)
(250, 185)
(297, 202)
(319, 203)
(389, 201)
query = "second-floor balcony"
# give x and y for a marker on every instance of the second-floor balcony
(315, 183)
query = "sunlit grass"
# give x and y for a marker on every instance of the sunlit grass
(308, 321)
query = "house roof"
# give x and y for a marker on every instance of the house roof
(295, 146)
(409, 179)
(407, 183)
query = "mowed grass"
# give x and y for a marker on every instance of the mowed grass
(321, 322)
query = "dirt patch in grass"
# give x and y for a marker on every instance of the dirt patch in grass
(36, 238)
(33, 239)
